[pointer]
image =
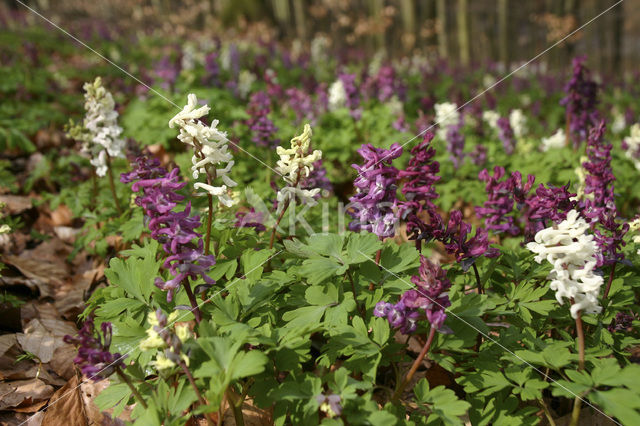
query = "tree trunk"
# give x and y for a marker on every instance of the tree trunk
(408, 13)
(298, 13)
(443, 44)
(463, 32)
(503, 33)
(618, 29)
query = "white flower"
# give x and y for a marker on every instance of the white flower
(5, 229)
(101, 131)
(210, 149)
(633, 145)
(337, 95)
(245, 81)
(518, 122)
(557, 140)
(572, 253)
(319, 49)
(634, 226)
(491, 118)
(295, 164)
(447, 114)
(395, 105)
(619, 123)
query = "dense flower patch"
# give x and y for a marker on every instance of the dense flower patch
(355, 248)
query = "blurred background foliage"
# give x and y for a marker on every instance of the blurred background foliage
(507, 32)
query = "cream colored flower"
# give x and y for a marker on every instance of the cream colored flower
(210, 149)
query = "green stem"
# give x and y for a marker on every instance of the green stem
(236, 406)
(611, 275)
(547, 413)
(355, 294)
(135, 392)
(415, 365)
(112, 184)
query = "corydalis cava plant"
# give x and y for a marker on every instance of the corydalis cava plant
(210, 147)
(572, 253)
(295, 165)
(100, 132)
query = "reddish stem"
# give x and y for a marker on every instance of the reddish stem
(415, 365)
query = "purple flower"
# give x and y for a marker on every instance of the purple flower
(386, 84)
(431, 294)
(375, 203)
(455, 144)
(250, 219)
(211, 70)
(174, 230)
(479, 155)
(301, 104)
(94, 358)
(505, 133)
(259, 123)
(502, 195)
(166, 72)
(550, 203)
(330, 404)
(622, 322)
(599, 180)
(580, 101)
(466, 250)
(317, 179)
(353, 97)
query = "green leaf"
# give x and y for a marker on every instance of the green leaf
(442, 402)
(253, 263)
(318, 270)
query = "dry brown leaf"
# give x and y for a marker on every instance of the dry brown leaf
(61, 216)
(66, 406)
(39, 274)
(62, 361)
(253, 416)
(43, 336)
(89, 390)
(23, 393)
(15, 204)
(6, 342)
(25, 370)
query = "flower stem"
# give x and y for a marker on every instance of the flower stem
(135, 392)
(415, 366)
(478, 281)
(192, 300)
(547, 413)
(235, 402)
(575, 414)
(275, 227)
(112, 183)
(201, 399)
(611, 275)
(211, 175)
(355, 294)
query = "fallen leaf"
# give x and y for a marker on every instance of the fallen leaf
(15, 204)
(89, 390)
(43, 336)
(23, 393)
(66, 406)
(6, 342)
(62, 361)
(61, 216)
